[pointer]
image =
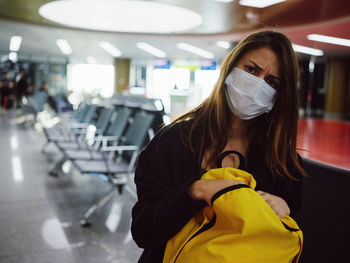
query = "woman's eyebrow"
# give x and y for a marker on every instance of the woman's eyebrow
(256, 65)
(260, 68)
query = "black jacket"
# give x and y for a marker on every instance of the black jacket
(164, 172)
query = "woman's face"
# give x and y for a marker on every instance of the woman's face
(262, 63)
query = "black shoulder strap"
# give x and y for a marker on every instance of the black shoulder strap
(224, 154)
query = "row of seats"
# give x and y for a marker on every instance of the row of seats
(103, 141)
(33, 104)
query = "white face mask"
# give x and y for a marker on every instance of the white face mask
(247, 95)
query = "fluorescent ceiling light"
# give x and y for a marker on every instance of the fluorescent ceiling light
(115, 52)
(307, 50)
(223, 44)
(151, 49)
(195, 50)
(64, 46)
(13, 56)
(260, 3)
(15, 43)
(121, 16)
(91, 60)
(330, 40)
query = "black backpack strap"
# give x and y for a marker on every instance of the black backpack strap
(224, 154)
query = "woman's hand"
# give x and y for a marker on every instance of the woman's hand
(204, 189)
(277, 204)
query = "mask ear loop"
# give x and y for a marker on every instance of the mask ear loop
(224, 154)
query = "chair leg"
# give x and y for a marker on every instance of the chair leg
(57, 167)
(120, 189)
(84, 221)
(120, 181)
(44, 146)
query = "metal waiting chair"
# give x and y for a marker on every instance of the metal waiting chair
(101, 126)
(111, 137)
(117, 170)
(81, 138)
(67, 130)
(32, 105)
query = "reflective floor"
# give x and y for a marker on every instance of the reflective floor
(39, 214)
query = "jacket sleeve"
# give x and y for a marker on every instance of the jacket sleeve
(164, 205)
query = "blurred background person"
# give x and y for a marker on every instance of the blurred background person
(21, 86)
(7, 91)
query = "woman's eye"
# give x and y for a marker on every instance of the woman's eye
(250, 69)
(271, 82)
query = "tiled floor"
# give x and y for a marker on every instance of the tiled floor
(39, 214)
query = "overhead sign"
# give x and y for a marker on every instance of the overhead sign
(208, 65)
(161, 63)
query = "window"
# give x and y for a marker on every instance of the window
(86, 79)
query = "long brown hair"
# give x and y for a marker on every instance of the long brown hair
(274, 133)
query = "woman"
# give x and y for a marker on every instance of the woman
(252, 111)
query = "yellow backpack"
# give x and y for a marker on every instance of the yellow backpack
(239, 227)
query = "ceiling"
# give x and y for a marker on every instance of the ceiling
(221, 21)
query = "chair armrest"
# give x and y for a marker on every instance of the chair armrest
(120, 148)
(79, 125)
(106, 138)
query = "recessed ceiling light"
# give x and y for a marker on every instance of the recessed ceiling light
(15, 43)
(195, 50)
(121, 16)
(223, 44)
(330, 40)
(307, 50)
(115, 52)
(64, 46)
(13, 56)
(260, 3)
(151, 49)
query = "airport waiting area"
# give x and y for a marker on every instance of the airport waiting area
(174, 131)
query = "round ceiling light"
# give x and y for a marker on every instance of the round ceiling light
(121, 16)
